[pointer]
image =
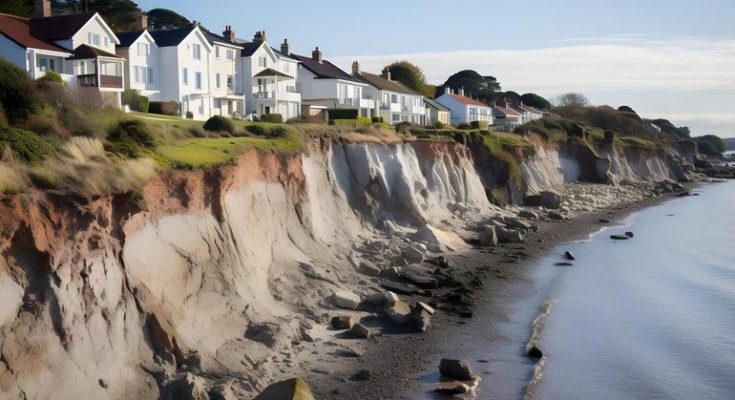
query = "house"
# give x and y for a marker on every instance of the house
(437, 112)
(142, 62)
(527, 113)
(185, 57)
(226, 77)
(394, 101)
(80, 47)
(271, 78)
(465, 110)
(324, 85)
(506, 117)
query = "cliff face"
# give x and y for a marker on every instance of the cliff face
(105, 299)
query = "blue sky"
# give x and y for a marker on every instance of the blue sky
(672, 58)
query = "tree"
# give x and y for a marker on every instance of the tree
(536, 101)
(711, 145)
(22, 8)
(410, 75)
(667, 127)
(572, 100)
(119, 14)
(160, 18)
(474, 84)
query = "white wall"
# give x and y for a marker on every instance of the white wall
(13, 53)
(196, 100)
(226, 67)
(135, 59)
(94, 26)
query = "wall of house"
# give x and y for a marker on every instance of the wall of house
(196, 100)
(252, 66)
(313, 89)
(94, 26)
(170, 81)
(226, 67)
(151, 60)
(13, 53)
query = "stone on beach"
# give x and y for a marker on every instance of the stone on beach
(346, 299)
(341, 322)
(413, 255)
(290, 389)
(488, 237)
(399, 312)
(517, 223)
(455, 369)
(397, 287)
(509, 236)
(368, 268)
(528, 214)
(619, 237)
(452, 388)
(569, 255)
(359, 331)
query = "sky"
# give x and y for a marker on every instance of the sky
(670, 59)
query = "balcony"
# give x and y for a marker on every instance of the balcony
(418, 110)
(366, 103)
(101, 81)
(271, 96)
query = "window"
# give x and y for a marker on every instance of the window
(150, 75)
(230, 54)
(217, 82)
(185, 76)
(262, 62)
(143, 49)
(198, 80)
(229, 81)
(197, 51)
(216, 51)
(94, 39)
(107, 43)
(143, 74)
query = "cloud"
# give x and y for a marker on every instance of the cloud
(721, 123)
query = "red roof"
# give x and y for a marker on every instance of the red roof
(18, 30)
(506, 112)
(467, 100)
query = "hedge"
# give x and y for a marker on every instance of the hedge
(378, 120)
(26, 145)
(219, 123)
(18, 92)
(479, 124)
(164, 107)
(346, 113)
(136, 102)
(133, 130)
(274, 118)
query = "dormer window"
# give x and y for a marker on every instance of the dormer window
(143, 49)
(197, 51)
(94, 39)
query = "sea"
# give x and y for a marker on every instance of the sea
(652, 317)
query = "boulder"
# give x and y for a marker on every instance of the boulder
(438, 240)
(359, 331)
(397, 287)
(629, 234)
(547, 199)
(517, 223)
(413, 255)
(555, 215)
(368, 268)
(535, 353)
(509, 236)
(361, 375)
(569, 255)
(345, 299)
(455, 369)
(488, 237)
(528, 214)
(421, 318)
(619, 237)
(419, 279)
(452, 388)
(379, 301)
(341, 322)
(399, 312)
(290, 389)
(185, 386)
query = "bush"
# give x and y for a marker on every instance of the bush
(164, 107)
(144, 104)
(51, 76)
(364, 121)
(18, 93)
(3, 119)
(267, 130)
(609, 136)
(45, 121)
(479, 124)
(347, 113)
(135, 101)
(132, 130)
(80, 124)
(219, 123)
(711, 145)
(403, 127)
(465, 127)
(378, 120)
(274, 118)
(439, 125)
(124, 149)
(197, 132)
(27, 146)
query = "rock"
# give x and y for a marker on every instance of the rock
(368, 268)
(413, 255)
(349, 353)
(519, 224)
(619, 237)
(359, 331)
(563, 264)
(509, 236)
(555, 215)
(629, 234)
(379, 301)
(266, 333)
(569, 255)
(438, 240)
(452, 388)
(291, 389)
(361, 375)
(535, 353)
(421, 318)
(488, 237)
(185, 386)
(545, 199)
(604, 221)
(426, 307)
(528, 215)
(102, 383)
(455, 369)
(399, 312)
(420, 279)
(342, 322)
(346, 299)
(397, 287)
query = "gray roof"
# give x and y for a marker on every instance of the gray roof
(324, 69)
(433, 104)
(172, 37)
(382, 83)
(128, 38)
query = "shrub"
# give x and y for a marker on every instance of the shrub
(465, 127)
(124, 149)
(609, 136)
(267, 131)
(576, 130)
(479, 124)
(132, 130)
(274, 118)
(219, 123)
(164, 107)
(135, 101)
(51, 76)
(439, 125)
(403, 127)
(3, 119)
(197, 132)
(144, 104)
(378, 120)
(45, 121)
(80, 123)
(364, 120)
(346, 113)
(28, 146)
(18, 93)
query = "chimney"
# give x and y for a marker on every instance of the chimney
(285, 48)
(355, 68)
(141, 21)
(317, 55)
(228, 33)
(43, 8)
(386, 74)
(259, 37)
(461, 91)
(447, 90)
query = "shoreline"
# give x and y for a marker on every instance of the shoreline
(404, 365)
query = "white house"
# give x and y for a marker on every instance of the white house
(80, 47)
(529, 113)
(226, 76)
(394, 101)
(437, 112)
(271, 78)
(465, 110)
(185, 60)
(324, 85)
(142, 62)
(506, 117)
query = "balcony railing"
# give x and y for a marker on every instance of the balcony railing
(105, 81)
(281, 95)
